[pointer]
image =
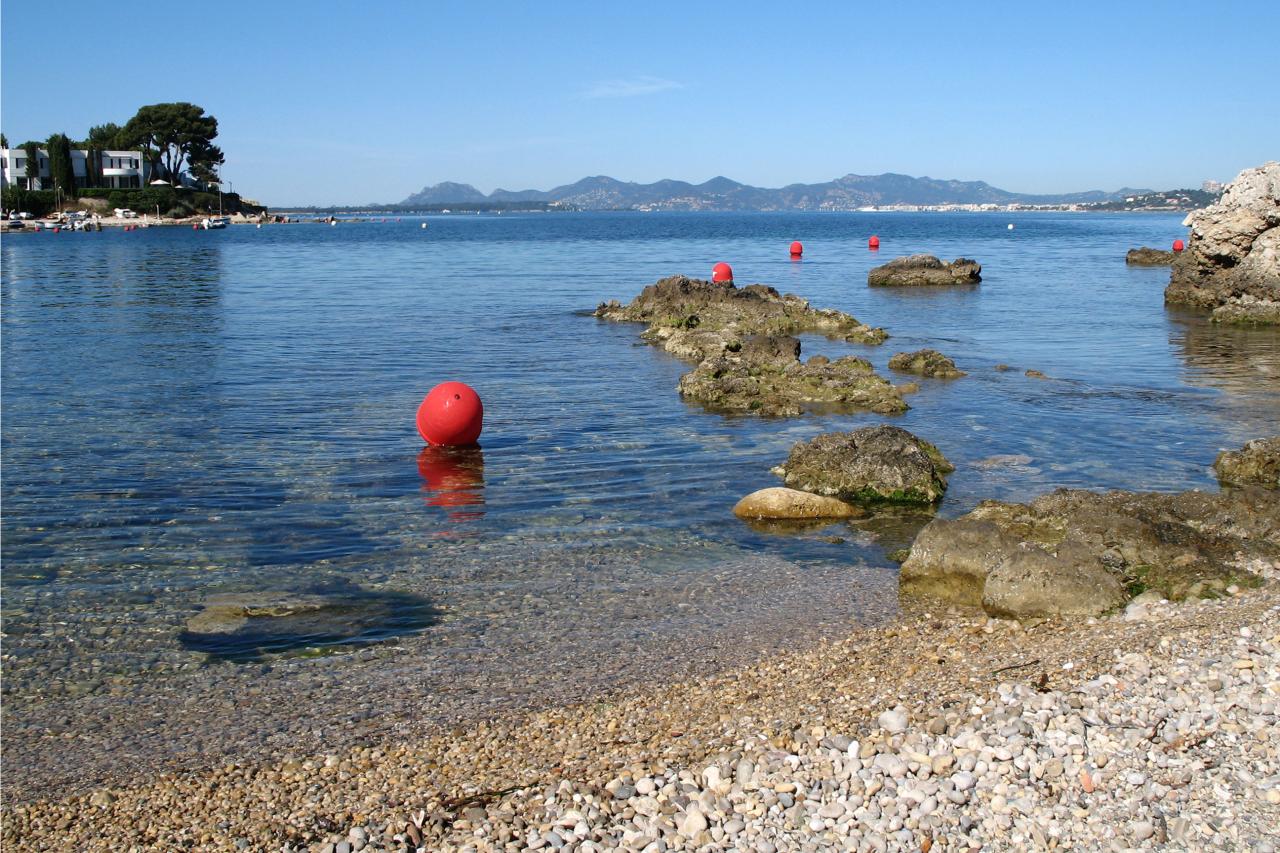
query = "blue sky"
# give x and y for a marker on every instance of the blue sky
(345, 102)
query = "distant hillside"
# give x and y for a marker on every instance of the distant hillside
(848, 193)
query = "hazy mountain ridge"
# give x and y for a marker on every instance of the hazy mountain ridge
(850, 192)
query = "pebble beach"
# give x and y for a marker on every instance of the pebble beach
(1156, 728)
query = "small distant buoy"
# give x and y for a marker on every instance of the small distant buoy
(450, 415)
(259, 226)
(873, 242)
(1178, 245)
(722, 272)
(57, 230)
(424, 225)
(195, 227)
(1010, 226)
(797, 248)
(333, 223)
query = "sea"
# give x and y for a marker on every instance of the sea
(195, 419)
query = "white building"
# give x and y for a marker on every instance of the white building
(116, 169)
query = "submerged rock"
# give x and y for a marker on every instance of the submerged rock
(778, 502)
(1145, 257)
(1080, 553)
(1257, 464)
(243, 626)
(881, 463)
(765, 376)
(1234, 252)
(926, 362)
(925, 270)
(724, 313)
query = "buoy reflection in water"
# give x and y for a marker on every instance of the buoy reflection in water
(453, 479)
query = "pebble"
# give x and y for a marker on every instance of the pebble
(1097, 759)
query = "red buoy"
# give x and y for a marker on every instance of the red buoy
(1178, 245)
(195, 227)
(722, 272)
(450, 415)
(797, 248)
(874, 242)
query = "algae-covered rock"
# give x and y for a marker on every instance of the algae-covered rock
(1247, 310)
(1077, 553)
(778, 502)
(925, 271)
(1257, 463)
(244, 625)
(926, 362)
(872, 464)
(1146, 257)
(766, 377)
(683, 303)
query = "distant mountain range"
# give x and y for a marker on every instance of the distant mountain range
(848, 193)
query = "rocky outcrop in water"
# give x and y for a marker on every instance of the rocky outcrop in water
(693, 318)
(765, 376)
(926, 362)
(1232, 259)
(778, 502)
(869, 465)
(925, 270)
(747, 360)
(1257, 464)
(1077, 553)
(1145, 257)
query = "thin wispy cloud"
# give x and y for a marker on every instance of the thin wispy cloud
(631, 87)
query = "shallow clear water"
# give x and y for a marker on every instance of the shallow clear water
(188, 413)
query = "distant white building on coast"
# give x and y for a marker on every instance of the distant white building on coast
(116, 169)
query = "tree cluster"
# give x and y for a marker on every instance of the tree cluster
(174, 138)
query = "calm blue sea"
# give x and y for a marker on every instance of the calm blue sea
(189, 412)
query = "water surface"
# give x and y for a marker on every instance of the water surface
(195, 414)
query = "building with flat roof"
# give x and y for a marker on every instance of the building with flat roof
(115, 169)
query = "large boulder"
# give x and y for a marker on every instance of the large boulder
(778, 502)
(925, 270)
(1145, 257)
(926, 362)
(872, 464)
(1257, 464)
(683, 304)
(764, 376)
(1079, 553)
(1234, 251)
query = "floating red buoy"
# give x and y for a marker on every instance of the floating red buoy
(722, 272)
(1178, 245)
(450, 415)
(874, 242)
(797, 248)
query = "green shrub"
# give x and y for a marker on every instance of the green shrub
(35, 202)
